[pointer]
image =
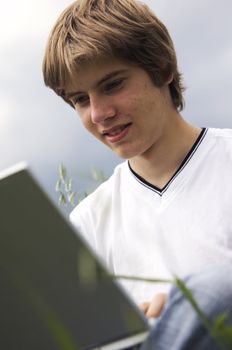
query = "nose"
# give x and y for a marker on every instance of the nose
(101, 109)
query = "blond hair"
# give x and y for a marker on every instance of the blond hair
(125, 29)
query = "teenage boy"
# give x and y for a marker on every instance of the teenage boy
(167, 209)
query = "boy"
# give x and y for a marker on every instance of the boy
(166, 210)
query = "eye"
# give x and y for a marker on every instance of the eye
(80, 100)
(113, 85)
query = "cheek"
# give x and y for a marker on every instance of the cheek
(139, 107)
(139, 100)
(130, 104)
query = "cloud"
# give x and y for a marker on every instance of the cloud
(28, 19)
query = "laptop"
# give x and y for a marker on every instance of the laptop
(54, 291)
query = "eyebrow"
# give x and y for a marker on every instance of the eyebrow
(98, 83)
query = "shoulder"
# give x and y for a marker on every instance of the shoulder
(93, 216)
(220, 134)
(219, 143)
(221, 139)
(99, 201)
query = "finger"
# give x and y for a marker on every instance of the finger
(144, 307)
(156, 305)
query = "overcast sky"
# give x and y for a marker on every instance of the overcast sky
(37, 126)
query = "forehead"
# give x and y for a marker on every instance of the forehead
(90, 74)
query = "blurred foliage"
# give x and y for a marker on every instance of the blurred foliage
(64, 186)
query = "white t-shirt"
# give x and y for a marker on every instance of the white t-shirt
(140, 230)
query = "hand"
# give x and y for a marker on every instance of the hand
(154, 308)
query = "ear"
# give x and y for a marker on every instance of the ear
(169, 80)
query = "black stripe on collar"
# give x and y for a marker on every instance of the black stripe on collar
(161, 191)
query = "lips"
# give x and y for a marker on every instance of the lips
(117, 133)
(115, 130)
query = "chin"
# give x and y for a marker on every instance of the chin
(126, 154)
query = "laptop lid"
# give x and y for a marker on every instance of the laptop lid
(54, 292)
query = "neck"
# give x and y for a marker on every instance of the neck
(159, 163)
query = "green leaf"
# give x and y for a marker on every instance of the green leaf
(62, 172)
(71, 198)
(225, 336)
(68, 185)
(94, 174)
(97, 175)
(189, 296)
(221, 330)
(142, 279)
(62, 199)
(58, 185)
(219, 322)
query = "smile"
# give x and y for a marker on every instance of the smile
(117, 133)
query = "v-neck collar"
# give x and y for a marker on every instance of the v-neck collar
(161, 191)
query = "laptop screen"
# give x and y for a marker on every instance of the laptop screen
(54, 293)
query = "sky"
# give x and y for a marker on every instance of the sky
(38, 127)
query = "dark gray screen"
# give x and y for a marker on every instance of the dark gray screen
(54, 294)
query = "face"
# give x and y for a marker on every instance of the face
(119, 104)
